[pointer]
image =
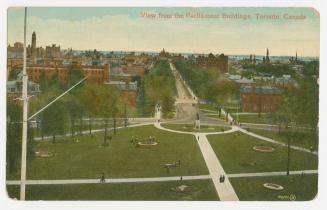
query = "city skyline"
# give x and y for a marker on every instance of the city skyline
(123, 29)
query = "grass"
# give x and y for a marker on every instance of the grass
(208, 107)
(83, 127)
(202, 190)
(301, 138)
(190, 128)
(302, 188)
(235, 152)
(251, 118)
(88, 159)
(222, 118)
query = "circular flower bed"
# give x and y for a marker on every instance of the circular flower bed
(263, 148)
(273, 186)
(43, 154)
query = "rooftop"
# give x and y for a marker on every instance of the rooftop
(260, 89)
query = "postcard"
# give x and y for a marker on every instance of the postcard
(162, 103)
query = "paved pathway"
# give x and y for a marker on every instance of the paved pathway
(158, 125)
(276, 142)
(225, 190)
(274, 173)
(93, 131)
(153, 179)
(118, 180)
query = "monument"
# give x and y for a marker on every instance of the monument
(197, 121)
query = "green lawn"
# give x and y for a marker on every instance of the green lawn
(302, 188)
(190, 128)
(235, 152)
(88, 159)
(251, 118)
(83, 127)
(208, 107)
(201, 190)
(222, 118)
(301, 138)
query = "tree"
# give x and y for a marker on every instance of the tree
(220, 91)
(111, 105)
(91, 100)
(14, 137)
(74, 75)
(54, 119)
(74, 109)
(167, 104)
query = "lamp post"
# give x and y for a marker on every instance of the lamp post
(288, 136)
(288, 155)
(125, 113)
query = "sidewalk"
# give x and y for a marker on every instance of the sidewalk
(225, 190)
(96, 181)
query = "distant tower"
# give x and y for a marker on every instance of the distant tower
(33, 48)
(267, 56)
(33, 40)
(295, 57)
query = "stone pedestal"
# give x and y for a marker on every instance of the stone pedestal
(197, 124)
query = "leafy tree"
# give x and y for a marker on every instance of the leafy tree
(74, 75)
(74, 109)
(54, 119)
(158, 86)
(167, 104)
(14, 137)
(14, 72)
(220, 91)
(90, 98)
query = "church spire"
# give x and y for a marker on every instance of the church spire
(267, 56)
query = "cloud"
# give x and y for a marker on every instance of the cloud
(123, 32)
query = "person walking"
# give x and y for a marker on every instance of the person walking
(102, 179)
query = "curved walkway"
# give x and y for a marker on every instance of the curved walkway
(276, 142)
(158, 125)
(224, 189)
(93, 131)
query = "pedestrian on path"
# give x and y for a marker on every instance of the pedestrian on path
(221, 179)
(198, 138)
(102, 179)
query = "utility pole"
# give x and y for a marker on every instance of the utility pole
(25, 106)
(25, 115)
(288, 154)
(125, 113)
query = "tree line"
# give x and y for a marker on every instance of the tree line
(87, 100)
(157, 87)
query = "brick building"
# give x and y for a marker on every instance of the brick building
(127, 89)
(133, 69)
(220, 62)
(52, 51)
(97, 74)
(256, 98)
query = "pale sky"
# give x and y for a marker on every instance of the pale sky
(124, 29)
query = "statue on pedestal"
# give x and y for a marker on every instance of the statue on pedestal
(197, 121)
